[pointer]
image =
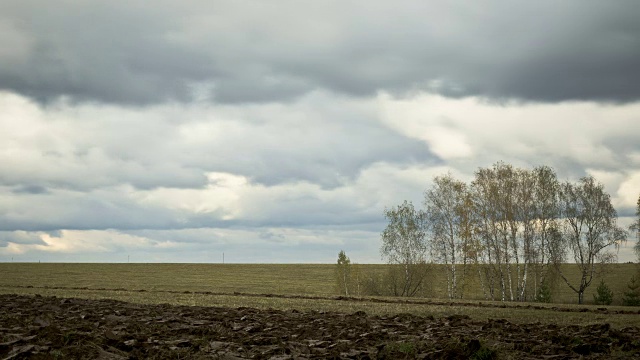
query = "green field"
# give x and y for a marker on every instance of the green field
(234, 284)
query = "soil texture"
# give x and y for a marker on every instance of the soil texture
(36, 327)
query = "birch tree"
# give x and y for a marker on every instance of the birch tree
(404, 246)
(448, 216)
(547, 213)
(635, 229)
(343, 273)
(485, 199)
(515, 211)
(589, 229)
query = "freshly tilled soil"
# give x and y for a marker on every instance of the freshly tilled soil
(36, 327)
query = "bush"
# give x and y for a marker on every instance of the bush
(544, 294)
(604, 295)
(631, 297)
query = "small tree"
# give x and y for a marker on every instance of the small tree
(544, 293)
(603, 295)
(635, 228)
(343, 273)
(631, 297)
(404, 244)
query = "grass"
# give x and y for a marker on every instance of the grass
(273, 279)
(178, 284)
(307, 279)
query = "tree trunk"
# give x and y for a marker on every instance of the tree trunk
(510, 281)
(523, 289)
(484, 289)
(346, 287)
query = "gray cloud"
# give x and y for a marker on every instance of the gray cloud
(20, 237)
(319, 139)
(30, 189)
(235, 53)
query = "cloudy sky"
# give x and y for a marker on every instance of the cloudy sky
(278, 131)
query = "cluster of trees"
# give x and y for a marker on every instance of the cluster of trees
(510, 228)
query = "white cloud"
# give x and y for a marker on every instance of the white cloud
(629, 191)
(574, 138)
(220, 194)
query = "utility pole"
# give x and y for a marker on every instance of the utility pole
(223, 257)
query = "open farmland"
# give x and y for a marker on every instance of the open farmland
(262, 311)
(284, 279)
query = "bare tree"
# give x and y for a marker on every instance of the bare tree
(494, 193)
(546, 194)
(404, 245)
(343, 273)
(448, 218)
(514, 211)
(524, 225)
(589, 228)
(484, 206)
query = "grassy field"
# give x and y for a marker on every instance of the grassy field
(302, 279)
(188, 284)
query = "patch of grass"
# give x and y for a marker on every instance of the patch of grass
(484, 353)
(398, 350)
(466, 349)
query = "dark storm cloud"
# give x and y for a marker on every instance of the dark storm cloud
(250, 52)
(98, 51)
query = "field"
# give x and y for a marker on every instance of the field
(290, 279)
(254, 296)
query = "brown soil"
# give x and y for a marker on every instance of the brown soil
(39, 327)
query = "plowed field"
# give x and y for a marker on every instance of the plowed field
(48, 327)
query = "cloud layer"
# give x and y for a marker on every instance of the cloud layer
(243, 52)
(162, 170)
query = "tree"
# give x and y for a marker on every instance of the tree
(502, 196)
(343, 273)
(448, 216)
(484, 190)
(589, 228)
(547, 240)
(631, 297)
(404, 245)
(635, 228)
(544, 295)
(603, 295)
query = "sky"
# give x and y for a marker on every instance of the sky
(278, 131)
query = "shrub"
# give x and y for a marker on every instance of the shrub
(604, 295)
(631, 297)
